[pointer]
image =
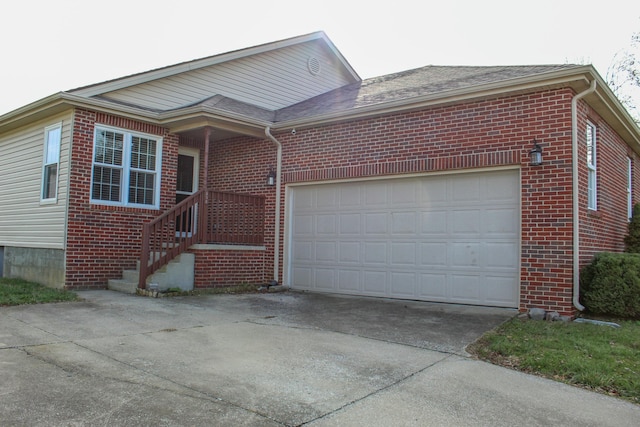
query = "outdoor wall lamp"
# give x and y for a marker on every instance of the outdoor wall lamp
(536, 154)
(271, 177)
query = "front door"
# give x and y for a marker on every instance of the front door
(186, 185)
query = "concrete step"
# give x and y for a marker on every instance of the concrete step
(131, 275)
(179, 273)
(121, 285)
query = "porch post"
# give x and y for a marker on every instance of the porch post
(207, 135)
(204, 209)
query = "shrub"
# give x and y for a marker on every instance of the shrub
(610, 285)
(632, 239)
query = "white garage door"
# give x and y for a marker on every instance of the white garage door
(448, 238)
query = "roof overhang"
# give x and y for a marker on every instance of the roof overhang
(177, 121)
(603, 101)
(184, 120)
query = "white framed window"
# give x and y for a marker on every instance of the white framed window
(629, 188)
(125, 170)
(592, 189)
(51, 162)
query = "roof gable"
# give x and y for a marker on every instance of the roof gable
(271, 76)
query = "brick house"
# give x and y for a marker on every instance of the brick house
(279, 163)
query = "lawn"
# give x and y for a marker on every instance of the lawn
(17, 291)
(600, 358)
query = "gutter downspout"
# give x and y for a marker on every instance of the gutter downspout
(576, 204)
(276, 243)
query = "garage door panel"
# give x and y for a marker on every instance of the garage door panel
(464, 190)
(449, 238)
(302, 277)
(303, 251)
(404, 192)
(465, 288)
(327, 198)
(403, 284)
(433, 286)
(374, 283)
(434, 254)
(375, 194)
(375, 223)
(434, 223)
(325, 252)
(325, 278)
(403, 253)
(326, 224)
(350, 195)
(350, 223)
(500, 189)
(375, 252)
(349, 280)
(434, 193)
(466, 222)
(500, 290)
(465, 254)
(403, 222)
(501, 254)
(303, 225)
(303, 200)
(503, 221)
(350, 252)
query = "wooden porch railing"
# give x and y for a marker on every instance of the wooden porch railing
(204, 217)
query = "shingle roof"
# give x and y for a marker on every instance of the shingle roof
(430, 80)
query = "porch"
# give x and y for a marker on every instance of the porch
(231, 221)
(211, 238)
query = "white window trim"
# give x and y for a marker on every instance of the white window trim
(126, 168)
(45, 151)
(592, 169)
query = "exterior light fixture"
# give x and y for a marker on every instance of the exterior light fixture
(271, 177)
(536, 154)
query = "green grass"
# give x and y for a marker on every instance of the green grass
(600, 358)
(18, 291)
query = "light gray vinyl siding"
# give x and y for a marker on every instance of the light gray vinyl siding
(25, 221)
(271, 80)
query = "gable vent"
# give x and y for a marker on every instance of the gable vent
(313, 64)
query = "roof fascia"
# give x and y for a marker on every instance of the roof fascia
(172, 70)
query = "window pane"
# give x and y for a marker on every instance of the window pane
(106, 184)
(109, 146)
(143, 153)
(50, 179)
(591, 146)
(53, 145)
(141, 187)
(591, 194)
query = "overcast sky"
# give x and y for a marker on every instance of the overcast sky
(48, 46)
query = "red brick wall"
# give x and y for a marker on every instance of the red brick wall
(225, 267)
(604, 229)
(241, 165)
(104, 240)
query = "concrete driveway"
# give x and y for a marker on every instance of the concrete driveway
(270, 360)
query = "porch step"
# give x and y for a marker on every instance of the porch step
(179, 273)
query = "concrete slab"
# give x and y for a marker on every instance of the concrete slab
(270, 359)
(459, 391)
